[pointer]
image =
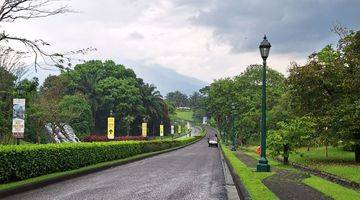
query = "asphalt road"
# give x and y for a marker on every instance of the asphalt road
(193, 172)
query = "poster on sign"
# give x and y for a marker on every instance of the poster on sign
(111, 128)
(144, 129)
(205, 120)
(18, 122)
(161, 130)
(172, 129)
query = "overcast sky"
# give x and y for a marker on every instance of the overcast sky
(203, 39)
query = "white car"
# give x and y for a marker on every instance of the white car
(213, 142)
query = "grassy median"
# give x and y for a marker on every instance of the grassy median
(328, 188)
(251, 180)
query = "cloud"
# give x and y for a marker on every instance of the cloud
(204, 39)
(292, 26)
(135, 35)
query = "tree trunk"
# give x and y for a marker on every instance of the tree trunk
(286, 154)
(357, 153)
(308, 148)
(38, 137)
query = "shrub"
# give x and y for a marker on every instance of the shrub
(27, 161)
(104, 138)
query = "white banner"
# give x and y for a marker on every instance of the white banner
(172, 129)
(18, 122)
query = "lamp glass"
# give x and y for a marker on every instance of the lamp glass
(264, 48)
(264, 51)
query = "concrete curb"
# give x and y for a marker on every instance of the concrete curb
(41, 183)
(242, 191)
(231, 189)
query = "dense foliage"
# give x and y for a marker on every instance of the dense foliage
(27, 161)
(178, 99)
(317, 104)
(84, 97)
(237, 101)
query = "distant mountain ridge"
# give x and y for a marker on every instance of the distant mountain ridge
(168, 80)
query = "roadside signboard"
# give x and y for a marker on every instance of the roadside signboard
(18, 122)
(161, 130)
(111, 128)
(172, 129)
(188, 125)
(144, 129)
(179, 129)
(204, 120)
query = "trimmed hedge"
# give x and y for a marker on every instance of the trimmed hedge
(28, 161)
(104, 138)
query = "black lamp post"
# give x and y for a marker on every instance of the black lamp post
(226, 128)
(263, 165)
(233, 109)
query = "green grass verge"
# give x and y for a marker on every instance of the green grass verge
(58, 175)
(186, 115)
(332, 190)
(328, 188)
(250, 150)
(249, 178)
(340, 163)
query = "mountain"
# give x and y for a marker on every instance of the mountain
(168, 80)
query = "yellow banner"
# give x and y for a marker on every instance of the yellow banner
(179, 129)
(111, 128)
(144, 129)
(161, 130)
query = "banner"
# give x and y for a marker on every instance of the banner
(188, 125)
(111, 128)
(204, 120)
(18, 122)
(179, 129)
(161, 130)
(144, 129)
(172, 129)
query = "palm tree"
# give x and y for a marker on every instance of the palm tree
(154, 104)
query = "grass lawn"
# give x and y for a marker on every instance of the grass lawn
(339, 162)
(186, 115)
(332, 190)
(250, 178)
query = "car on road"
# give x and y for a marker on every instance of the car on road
(213, 142)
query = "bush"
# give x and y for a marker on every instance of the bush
(27, 161)
(104, 138)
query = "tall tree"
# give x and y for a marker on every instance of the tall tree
(327, 88)
(177, 98)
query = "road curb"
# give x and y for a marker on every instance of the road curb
(231, 189)
(242, 191)
(79, 172)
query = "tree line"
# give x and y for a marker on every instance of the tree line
(317, 104)
(194, 101)
(83, 97)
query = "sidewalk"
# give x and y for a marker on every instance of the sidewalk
(285, 184)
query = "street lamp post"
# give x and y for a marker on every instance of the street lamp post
(263, 165)
(226, 128)
(233, 108)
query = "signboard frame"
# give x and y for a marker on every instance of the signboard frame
(111, 128)
(144, 129)
(18, 121)
(161, 130)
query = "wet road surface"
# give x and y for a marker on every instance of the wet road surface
(193, 172)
